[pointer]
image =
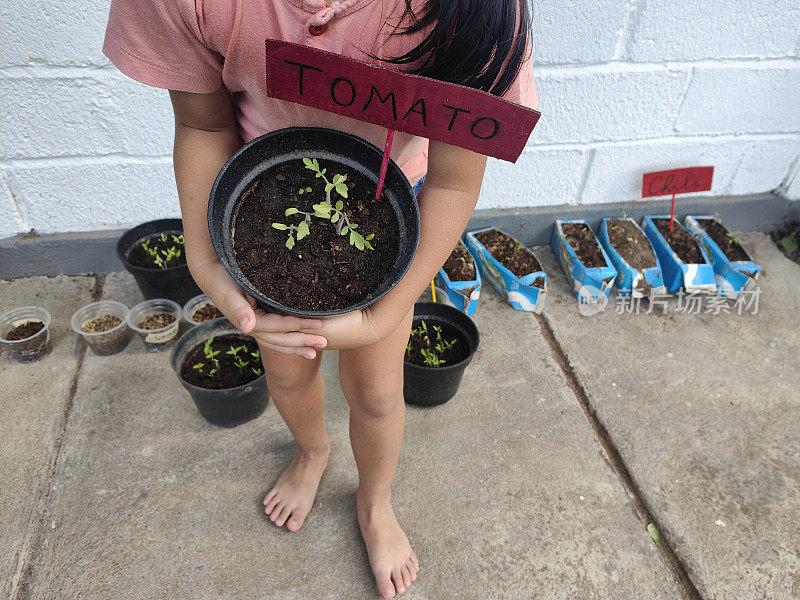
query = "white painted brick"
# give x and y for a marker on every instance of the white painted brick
(94, 194)
(540, 177)
(790, 187)
(584, 105)
(8, 221)
(689, 29)
(765, 164)
(577, 32)
(617, 169)
(742, 100)
(53, 31)
(83, 116)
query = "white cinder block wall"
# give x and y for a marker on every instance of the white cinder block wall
(625, 86)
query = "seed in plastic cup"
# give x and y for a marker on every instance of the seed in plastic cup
(102, 324)
(157, 322)
(25, 331)
(194, 309)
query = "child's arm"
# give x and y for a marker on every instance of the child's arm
(446, 203)
(205, 137)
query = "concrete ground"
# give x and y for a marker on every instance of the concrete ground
(568, 436)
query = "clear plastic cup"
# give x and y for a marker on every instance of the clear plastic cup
(161, 338)
(33, 347)
(193, 305)
(110, 341)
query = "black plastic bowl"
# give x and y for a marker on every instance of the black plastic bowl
(175, 283)
(292, 144)
(224, 408)
(427, 386)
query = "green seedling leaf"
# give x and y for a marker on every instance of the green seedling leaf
(335, 217)
(291, 211)
(280, 226)
(290, 243)
(789, 244)
(339, 205)
(302, 230)
(654, 534)
(359, 242)
(372, 235)
(328, 187)
(345, 229)
(307, 162)
(341, 189)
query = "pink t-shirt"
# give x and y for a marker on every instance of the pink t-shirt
(199, 45)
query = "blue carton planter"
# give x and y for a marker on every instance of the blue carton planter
(694, 278)
(591, 285)
(631, 281)
(520, 292)
(731, 276)
(462, 295)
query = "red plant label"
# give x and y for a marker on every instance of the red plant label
(677, 181)
(446, 112)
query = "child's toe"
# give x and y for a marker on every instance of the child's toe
(397, 578)
(284, 514)
(296, 520)
(385, 586)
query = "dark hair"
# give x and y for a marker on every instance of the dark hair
(476, 43)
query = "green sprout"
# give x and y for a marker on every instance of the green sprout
(337, 184)
(437, 345)
(431, 359)
(257, 370)
(234, 350)
(256, 354)
(240, 363)
(302, 191)
(296, 232)
(335, 214)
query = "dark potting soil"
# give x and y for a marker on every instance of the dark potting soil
(228, 375)
(582, 240)
(729, 245)
(788, 240)
(631, 243)
(160, 243)
(101, 323)
(156, 321)
(429, 338)
(323, 271)
(681, 241)
(206, 313)
(511, 254)
(460, 266)
(25, 330)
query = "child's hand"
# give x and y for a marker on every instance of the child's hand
(277, 332)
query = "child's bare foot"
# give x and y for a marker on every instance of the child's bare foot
(293, 495)
(393, 562)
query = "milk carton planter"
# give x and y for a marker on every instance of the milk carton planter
(585, 263)
(510, 267)
(638, 270)
(442, 343)
(734, 269)
(683, 262)
(459, 281)
(221, 369)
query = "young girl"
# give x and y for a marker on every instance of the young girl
(210, 55)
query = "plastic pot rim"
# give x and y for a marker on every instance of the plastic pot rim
(463, 363)
(177, 310)
(46, 320)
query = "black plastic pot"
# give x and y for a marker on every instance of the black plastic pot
(224, 408)
(426, 386)
(175, 283)
(292, 144)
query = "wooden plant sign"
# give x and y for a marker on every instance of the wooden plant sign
(677, 181)
(440, 111)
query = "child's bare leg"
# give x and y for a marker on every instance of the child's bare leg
(372, 380)
(298, 392)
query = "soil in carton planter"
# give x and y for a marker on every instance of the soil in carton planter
(582, 240)
(631, 244)
(681, 241)
(729, 245)
(322, 271)
(459, 265)
(228, 373)
(511, 254)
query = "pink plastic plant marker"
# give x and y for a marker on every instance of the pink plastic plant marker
(672, 213)
(384, 163)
